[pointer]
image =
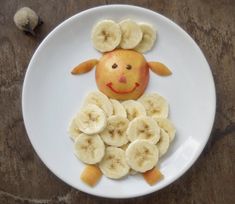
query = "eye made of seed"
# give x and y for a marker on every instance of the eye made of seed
(114, 66)
(128, 66)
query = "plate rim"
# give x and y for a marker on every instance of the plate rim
(167, 20)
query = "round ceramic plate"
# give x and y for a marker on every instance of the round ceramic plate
(51, 97)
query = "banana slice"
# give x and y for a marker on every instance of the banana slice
(133, 109)
(115, 131)
(163, 143)
(118, 108)
(114, 164)
(143, 128)
(131, 171)
(155, 105)
(131, 34)
(73, 130)
(167, 126)
(142, 155)
(99, 99)
(106, 35)
(89, 148)
(91, 119)
(148, 39)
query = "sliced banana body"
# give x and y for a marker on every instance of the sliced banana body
(143, 128)
(148, 39)
(114, 164)
(163, 143)
(142, 155)
(89, 148)
(155, 105)
(115, 131)
(122, 138)
(101, 100)
(167, 126)
(73, 130)
(91, 119)
(131, 34)
(106, 35)
(118, 108)
(133, 109)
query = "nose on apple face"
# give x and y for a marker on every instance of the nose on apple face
(122, 79)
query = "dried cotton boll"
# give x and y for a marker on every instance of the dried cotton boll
(27, 20)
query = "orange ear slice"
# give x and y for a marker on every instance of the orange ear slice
(153, 176)
(91, 175)
(159, 68)
(85, 66)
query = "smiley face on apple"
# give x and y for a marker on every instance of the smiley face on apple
(122, 74)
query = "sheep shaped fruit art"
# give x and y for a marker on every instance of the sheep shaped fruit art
(127, 137)
(122, 74)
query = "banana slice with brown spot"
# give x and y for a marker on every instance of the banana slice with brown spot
(164, 143)
(155, 105)
(118, 108)
(91, 119)
(142, 155)
(148, 39)
(114, 164)
(131, 34)
(143, 128)
(167, 126)
(115, 131)
(99, 99)
(73, 130)
(89, 148)
(133, 109)
(106, 35)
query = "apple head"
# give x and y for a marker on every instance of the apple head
(122, 74)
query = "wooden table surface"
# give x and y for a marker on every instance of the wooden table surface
(23, 176)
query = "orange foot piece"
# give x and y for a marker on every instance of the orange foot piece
(91, 175)
(153, 176)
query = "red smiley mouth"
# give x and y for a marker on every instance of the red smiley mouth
(122, 92)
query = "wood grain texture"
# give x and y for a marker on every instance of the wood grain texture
(25, 179)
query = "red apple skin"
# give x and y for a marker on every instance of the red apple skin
(122, 74)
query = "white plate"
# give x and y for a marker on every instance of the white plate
(51, 96)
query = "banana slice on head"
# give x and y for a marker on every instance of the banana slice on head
(131, 34)
(143, 128)
(164, 143)
(148, 39)
(115, 131)
(114, 164)
(155, 105)
(91, 119)
(167, 126)
(118, 108)
(106, 35)
(133, 109)
(73, 130)
(142, 155)
(89, 148)
(101, 100)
